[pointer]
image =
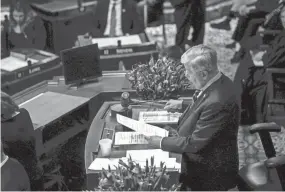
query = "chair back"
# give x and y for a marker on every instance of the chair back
(275, 96)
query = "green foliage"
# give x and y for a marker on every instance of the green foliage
(132, 177)
(158, 79)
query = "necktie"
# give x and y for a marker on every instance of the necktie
(196, 94)
(113, 22)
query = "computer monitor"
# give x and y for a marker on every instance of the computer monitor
(81, 64)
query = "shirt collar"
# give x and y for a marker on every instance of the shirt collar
(5, 160)
(213, 80)
(115, 2)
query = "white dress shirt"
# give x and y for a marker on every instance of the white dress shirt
(118, 7)
(213, 80)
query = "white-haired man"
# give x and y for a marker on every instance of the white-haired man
(207, 131)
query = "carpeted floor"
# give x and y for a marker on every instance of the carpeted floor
(250, 148)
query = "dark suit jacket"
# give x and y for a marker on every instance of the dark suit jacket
(132, 23)
(208, 138)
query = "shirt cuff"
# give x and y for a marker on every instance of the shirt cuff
(161, 142)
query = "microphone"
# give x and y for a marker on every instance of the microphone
(125, 100)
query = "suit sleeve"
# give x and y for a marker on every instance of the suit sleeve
(211, 121)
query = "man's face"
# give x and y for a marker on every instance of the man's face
(196, 77)
(18, 16)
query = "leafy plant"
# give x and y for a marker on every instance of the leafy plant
(132, 177)
(158, 79)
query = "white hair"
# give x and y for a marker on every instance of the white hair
(201, 58)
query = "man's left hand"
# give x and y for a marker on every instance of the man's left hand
(154, 141)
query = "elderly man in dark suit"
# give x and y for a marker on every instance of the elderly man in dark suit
(207, 131)
(117, 18)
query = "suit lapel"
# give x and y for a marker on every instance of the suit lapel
(194, 106)
(200, 100)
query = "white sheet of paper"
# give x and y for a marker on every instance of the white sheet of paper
(142, 155)
(159, 117)
(141, 127)
(99, 163)
(12, 63)
(113, 41)
(128, 138)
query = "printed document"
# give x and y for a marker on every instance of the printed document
(141, 127)
(129, 138)
(159, 117)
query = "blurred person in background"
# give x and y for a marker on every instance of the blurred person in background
(24, 29)
(13, 175)
(233, 13)
(258, 10)
(114, 18)
(17, 136)
(188, 14)
(254, 89)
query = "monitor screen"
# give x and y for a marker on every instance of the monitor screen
(81, 63)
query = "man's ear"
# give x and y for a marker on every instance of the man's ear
(204, 75)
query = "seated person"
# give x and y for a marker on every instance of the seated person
(255, 79)
(18, 141)
(25, 29)
(115, 18)
(174, 52)
(225, 24)
(13, 175)
(247, 13)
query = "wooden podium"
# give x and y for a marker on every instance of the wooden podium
(101, 128)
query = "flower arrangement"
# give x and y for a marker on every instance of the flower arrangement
(132, 177)
(158, 79)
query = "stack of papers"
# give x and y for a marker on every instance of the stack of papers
(129, 138)
(140, 157)
(159, 117)
(103, 163)
(141, 127)
(16, 61)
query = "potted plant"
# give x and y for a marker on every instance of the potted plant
(133, 177)
(160, 79)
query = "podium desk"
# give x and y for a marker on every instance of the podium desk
(97, 131)
(64, 21)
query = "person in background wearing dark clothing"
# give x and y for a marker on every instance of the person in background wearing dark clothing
(254, 95)
(225, 24)
(174, 52)
(187, 14)
(115, 18)
(13, 175)
(247, 13)
(17, 136)
(25, 29)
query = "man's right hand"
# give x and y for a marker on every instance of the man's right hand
(173, 105)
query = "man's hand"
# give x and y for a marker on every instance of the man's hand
(154, 141)
(172, 132)
(173, 105)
